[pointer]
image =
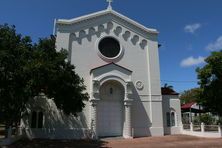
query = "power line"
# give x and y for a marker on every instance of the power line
(184, 81)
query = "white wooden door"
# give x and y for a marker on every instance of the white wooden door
(110, 110)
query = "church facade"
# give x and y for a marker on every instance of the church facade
(118, 60)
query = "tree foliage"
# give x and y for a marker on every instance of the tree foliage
(210, 80)
(14, 54)
(167, 86)
(53, 75)
(191, 95)
(26, 70)
(168, 90)
(207, 119)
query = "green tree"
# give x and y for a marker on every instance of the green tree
(26, 70)
(191, 95)
(167, 86)
(207, 119)
(15, 51)
(54, 76)
(210, 81)
(168, 89)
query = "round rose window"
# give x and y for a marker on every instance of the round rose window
(109, 47)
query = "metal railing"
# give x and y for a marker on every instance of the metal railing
(2, 131)
(186, 126)
(197, 128)
(211, 128)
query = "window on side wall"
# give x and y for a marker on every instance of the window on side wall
(170, 116)
(168, 119)
(37, 119)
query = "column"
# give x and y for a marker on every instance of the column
(128, 119)
(94, 118)
(94, 102)
(128, 101)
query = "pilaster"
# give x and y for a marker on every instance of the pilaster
(94, 103)
(128, 111)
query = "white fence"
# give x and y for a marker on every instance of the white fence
(202, 130)
(13, 134)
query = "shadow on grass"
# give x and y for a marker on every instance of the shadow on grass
(45, 143)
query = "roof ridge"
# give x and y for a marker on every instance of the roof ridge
(104, 12)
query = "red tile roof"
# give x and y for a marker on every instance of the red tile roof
(187, 105)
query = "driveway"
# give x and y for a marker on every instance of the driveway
(176, 141)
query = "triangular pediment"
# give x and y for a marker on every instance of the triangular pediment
(111, 70)
(110, 67)
(107, 15)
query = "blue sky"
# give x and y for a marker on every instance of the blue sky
(189, 29)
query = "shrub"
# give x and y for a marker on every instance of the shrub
(205, 118)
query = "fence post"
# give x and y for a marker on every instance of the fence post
(181, 128)
(219, 130)
(9, 134)
(191, 126)
(132, 132)
(202, 127)
(19, 130)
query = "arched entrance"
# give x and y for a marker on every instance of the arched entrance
(110, 109)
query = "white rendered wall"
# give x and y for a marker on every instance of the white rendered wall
(142, 61)
(56, 125)
(172, 102)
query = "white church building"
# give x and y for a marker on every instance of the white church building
(119, 62)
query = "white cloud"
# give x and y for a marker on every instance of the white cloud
(191, 61)
(216, 45)
(192, 27)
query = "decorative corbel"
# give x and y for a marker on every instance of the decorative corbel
(129, 91)
(96, 86)
(95, 92)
